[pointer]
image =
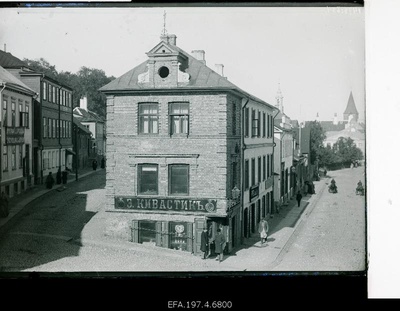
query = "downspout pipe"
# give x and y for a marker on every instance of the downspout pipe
(1, 144)
(242, 149)
(273, 161)
(59, 127)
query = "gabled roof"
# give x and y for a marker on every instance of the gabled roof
(86, 115)
(11, 81)
(351, 106)
(201, 77)
(7, 60)
(81, 126)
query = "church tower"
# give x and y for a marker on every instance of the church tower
(279, 99)
(350, 112)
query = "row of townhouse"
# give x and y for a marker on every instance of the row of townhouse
(187, 149)
(38, 130)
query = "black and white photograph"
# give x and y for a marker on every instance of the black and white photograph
(205, 139)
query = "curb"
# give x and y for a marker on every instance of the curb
(308, 209)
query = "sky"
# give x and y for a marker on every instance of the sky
(316, 55)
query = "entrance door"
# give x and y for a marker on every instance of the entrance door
(246, 223)
(233, 231)
(200, 223)
(27, 163)
(35, 166)
(253, 218)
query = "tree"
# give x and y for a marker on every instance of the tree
(85, 82)
(347, 151)
(43, 66)
(317, 137)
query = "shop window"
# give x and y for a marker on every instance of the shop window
(179, 118)
(147, 232)
(179, 236)
(148, 179)
(179, 179)
(148, 118)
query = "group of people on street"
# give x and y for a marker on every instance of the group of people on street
(219, 242)
(102, 164)
(60, 177)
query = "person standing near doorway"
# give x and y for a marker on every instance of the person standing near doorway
(298, 198)
(204, 242)
(219, 245)
(263, 230)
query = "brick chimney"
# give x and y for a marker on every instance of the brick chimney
(219, 68)
(199, 55)
(83, 103)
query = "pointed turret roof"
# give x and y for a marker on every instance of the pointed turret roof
(351, 106)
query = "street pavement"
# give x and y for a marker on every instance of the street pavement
(98, 252)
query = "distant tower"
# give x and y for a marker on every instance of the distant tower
(350, 112)
(279, 99)
(335, 119)
(317, 117)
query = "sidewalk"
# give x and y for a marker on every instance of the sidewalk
(18, 203)
(250, 256)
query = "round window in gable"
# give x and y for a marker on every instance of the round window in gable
(163, 72)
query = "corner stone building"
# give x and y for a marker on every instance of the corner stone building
(174, 150)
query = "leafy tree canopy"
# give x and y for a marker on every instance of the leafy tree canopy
(86, 81)
(317, 137)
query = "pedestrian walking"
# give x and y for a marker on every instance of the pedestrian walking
(64, 176)
(58, 176)
(219, 245)
(4, 211)
(263, 230)
(94, 164)
(103, 163)
(49, 181)
(325, 172)
(298, 198)
(204, 242)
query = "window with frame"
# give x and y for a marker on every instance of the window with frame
(44, 90)
(264, 168)
(20, 156)
(14, 157)
(259, 124)
(233, 118)
(148, 118)
(246, 174)
(5, 123)
(179, 118)
(259, 169)
(178, 179)
(5, 157)
(44, 127)
(13, 114)
(254, 124)
(148, 179)
(246, 122)
(20, 114)
(54, 94)
(253, 171)
(264, 124)
(50, 128)
(26, 122)
(54, 128)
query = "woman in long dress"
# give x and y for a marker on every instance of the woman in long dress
(263, 230)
